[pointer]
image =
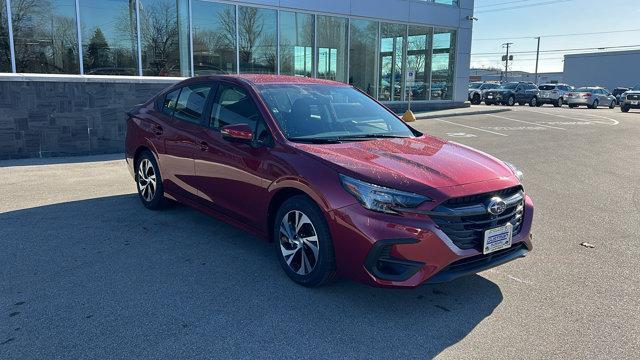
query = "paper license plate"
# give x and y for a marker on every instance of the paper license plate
(497, 239)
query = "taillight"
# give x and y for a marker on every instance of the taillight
(586, 95)
(570, 94)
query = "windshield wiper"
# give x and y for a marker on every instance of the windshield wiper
(315, 140)
(372, 136)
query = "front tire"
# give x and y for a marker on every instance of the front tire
(303, 242)
(511, 101)
(624, 108)
(533, 102)
(612, 105)
(476, 100)
(149, 181)
(594, 105)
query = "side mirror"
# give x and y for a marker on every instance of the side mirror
(237, 132)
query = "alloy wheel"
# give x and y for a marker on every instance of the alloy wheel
(299, 242)
(146, 180)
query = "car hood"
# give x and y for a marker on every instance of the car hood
(410, 164)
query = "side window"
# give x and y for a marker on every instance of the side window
(191, 102)
(170, 100)
(233, 106)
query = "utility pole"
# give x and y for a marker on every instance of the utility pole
(537, 58)
(506, 66)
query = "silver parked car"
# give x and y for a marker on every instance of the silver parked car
(591, 97)
(477, 90)
(554, 94)
(630, 99)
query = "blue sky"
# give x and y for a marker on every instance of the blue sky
(546, 17)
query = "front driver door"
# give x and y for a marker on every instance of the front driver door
(232, 176)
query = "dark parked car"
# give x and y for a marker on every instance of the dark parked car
(512, 93)
(334, 179)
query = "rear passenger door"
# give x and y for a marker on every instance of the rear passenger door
(178, 165)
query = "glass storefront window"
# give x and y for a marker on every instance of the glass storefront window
(392, 39)
(257, 35)
(442, 63)
(214, 38)
(109, 37)
(296, 43)
(164, 28)
(418, 59)
(45, 36)
(332, 48)
(362, 55)
(5, 51)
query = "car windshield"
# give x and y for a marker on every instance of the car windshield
(474, 85)
(307, 112)
(509, 86)
(584, 89)
(547, 87)
(636, 88)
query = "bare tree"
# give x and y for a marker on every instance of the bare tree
(159, 31)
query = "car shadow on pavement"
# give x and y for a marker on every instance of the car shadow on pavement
(107, 278)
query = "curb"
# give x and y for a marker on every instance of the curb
(478, 112)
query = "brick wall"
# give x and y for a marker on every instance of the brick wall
(58, 116)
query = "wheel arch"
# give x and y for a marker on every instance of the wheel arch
(286, 189)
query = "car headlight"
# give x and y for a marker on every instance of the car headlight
(379, 198)
(515, 170)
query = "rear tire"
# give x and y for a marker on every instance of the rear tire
(303, 242)
(559, 103)
(149, 181)
(511, 101)
(533, 102)
(612, 105)
(594, 105)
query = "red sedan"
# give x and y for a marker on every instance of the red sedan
(334, 179)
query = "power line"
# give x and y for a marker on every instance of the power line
(559, 35)
(523, 6)
(561, 50)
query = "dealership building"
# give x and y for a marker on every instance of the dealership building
(69, 69)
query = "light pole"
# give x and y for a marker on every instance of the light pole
(537, 58)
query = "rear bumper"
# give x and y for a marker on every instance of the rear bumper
(406, 252)
(579, 101)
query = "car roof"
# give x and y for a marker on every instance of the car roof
(272, 79)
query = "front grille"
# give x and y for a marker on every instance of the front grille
(633, 97)
(465, 219)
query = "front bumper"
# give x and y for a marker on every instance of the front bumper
(414, 251)
(631, 104)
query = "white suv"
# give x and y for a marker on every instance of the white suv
(554, 94)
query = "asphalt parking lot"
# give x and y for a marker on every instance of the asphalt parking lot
(87, 272)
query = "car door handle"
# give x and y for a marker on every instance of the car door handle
(204, 146)
(158, 130)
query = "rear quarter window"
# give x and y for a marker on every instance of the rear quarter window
(546, 87)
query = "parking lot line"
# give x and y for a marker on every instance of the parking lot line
(614, 122)
(471, 127)
(526, 122)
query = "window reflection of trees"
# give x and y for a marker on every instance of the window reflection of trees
(45, 37)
